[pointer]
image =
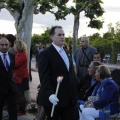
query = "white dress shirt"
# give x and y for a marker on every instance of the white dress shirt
(63, 54)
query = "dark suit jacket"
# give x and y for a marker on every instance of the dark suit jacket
(6, 77)
(51, 65)
(84, 85)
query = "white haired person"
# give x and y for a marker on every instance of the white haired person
(83, 57)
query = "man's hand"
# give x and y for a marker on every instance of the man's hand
(53, 99)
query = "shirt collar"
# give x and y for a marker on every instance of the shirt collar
(57, 48)
(3, 53)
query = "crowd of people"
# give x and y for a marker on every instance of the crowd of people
(72, 86)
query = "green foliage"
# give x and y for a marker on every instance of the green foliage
(44, 39)
(45, 6)
(93, 11)
(69, 40)
(63, 1)
(96, 24)
(12, 3)
(109, 43)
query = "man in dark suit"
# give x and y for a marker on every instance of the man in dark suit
(83, 56)
(51, 65)
(7, 86)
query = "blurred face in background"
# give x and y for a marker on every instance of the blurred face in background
(97, 57)
(91, 69)
(4, 45)
(84, 42)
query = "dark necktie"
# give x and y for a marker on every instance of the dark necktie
(5, 61)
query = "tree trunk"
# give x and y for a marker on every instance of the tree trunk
(24, 23)
(26, 35)
(75, 32)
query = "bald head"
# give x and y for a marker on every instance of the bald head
(84, 41)
(4, 45)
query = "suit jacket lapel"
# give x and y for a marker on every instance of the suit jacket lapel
(57, 55)
(1, 62)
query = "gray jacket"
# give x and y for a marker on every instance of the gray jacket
(78, 56)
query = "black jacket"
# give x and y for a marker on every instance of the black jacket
(50, 66)
(6, 77)
(84, 85)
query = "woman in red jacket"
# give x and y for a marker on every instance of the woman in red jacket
(21, 75)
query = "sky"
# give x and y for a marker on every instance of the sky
(111, 15)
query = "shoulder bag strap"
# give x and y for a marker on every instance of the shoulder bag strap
(86, 55)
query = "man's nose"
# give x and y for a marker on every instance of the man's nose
(4, 46)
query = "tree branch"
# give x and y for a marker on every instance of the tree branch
(11, 11)
(24, 15)
(83, 7)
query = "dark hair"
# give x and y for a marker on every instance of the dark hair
(96, 64)
(52, 30)
(97, 53)
(104, 71)
(11, 38)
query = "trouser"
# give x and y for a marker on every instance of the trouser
(21, 101)
(10, 99)
(41, 113)
(60, 113)
(88, 113)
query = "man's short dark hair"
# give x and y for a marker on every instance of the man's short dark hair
(52, 31)
(96, 53)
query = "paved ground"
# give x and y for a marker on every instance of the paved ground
(33, 85)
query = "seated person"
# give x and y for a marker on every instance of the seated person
(115, 74)
(89, 82)
(97, 57)
(108, 94)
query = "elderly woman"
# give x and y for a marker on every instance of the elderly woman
(21, 75)
(107, 93)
